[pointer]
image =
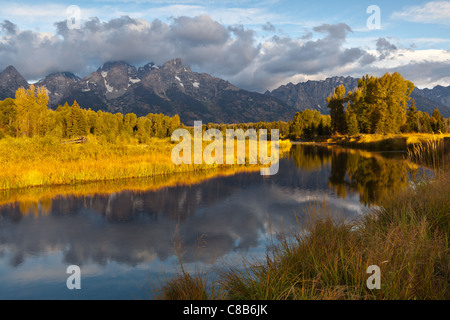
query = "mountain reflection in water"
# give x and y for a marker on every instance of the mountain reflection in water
(203, 222)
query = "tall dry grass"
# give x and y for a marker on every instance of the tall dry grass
(407, 237)
(32, 162)
(429, 153)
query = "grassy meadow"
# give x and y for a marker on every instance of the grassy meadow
(45, 161)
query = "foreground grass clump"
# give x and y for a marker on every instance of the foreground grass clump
(189, 287)
(407, 237)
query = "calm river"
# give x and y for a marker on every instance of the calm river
(127, 240)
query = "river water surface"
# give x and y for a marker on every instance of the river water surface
(127, 240)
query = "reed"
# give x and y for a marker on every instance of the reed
(429, 153)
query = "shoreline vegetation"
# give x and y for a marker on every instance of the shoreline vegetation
(40, 162)
(407, 236)
(37, 200)
(34, 148)
(389, 142)
(43, 162)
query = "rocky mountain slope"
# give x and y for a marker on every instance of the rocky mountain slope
(169, 89)
(10, 81)
(439, 95)
(313, 95)
(175, 89)
(58, 85)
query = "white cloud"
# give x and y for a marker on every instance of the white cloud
(233, 53)
(431, 12)
(42, 12)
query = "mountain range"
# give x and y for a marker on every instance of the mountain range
(175, 89)
(313, 95)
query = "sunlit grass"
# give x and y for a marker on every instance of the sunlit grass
(429, 153)
(38, 162)
(388, 142)
(32, 162)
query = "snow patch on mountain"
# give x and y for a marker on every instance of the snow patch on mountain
(132, 81)
(108, 87)
(87, 89)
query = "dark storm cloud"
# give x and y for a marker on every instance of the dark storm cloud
(313, 56)
(269, 27)
(385, 48)
(367, 59)
(201, 31)
(209, 46)
(8, 27)
(337, 32)
(307, 36)
(200, 42)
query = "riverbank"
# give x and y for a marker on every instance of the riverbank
(407, 236)
(38, 162)
(31, 199)
(390, 142)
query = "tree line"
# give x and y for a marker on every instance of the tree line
(28, 115)
(380, 105)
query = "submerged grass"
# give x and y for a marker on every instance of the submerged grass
(407, 236)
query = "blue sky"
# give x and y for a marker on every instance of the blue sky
(263, 35)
